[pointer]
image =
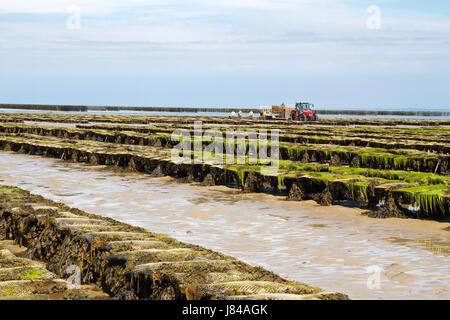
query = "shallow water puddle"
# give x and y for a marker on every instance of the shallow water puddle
(330, 247)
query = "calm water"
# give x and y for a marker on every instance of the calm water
(222, 114)
(330, 247)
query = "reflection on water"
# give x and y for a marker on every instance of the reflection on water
(331, 247)
(433, 245)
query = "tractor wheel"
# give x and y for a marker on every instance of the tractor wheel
(302, 117)
(293, 115)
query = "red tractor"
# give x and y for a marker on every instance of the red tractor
(303, 111)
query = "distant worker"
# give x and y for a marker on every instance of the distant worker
(264, 114)
(232, 114)
(250, 114)
(240, 114)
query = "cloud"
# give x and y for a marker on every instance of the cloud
(88, 6)
(263, 37)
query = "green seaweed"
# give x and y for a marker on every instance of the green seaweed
(430, 199)
(31, 274)
(359, 188)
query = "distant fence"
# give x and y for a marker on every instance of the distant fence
(385, 113)
(215, 110)
(44, 107)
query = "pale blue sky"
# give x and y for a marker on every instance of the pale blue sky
(225, 53)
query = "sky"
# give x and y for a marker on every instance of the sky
(226, 53)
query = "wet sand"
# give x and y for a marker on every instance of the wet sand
(330, 247)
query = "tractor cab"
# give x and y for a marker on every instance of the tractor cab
(304, 111)
(303, 106)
